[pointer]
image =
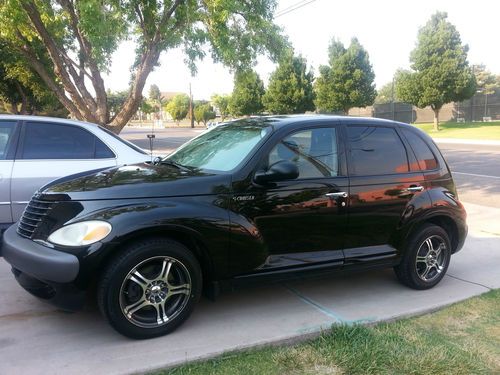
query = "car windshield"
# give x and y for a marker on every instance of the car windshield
(221, 148)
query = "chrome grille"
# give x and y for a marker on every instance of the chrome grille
(32, 216)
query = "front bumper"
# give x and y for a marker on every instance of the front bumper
(44, 272)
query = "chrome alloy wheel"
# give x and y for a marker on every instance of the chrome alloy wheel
(431, 258)
(155, 291)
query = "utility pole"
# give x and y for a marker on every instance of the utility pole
(191, 116)
(392, 100)
(471, 100)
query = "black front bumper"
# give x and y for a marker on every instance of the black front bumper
(44, 272)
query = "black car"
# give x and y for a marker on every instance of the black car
(255, 198)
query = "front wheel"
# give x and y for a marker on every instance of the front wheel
(426, 258)
(150, 289)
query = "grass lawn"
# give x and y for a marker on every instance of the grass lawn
(467, 130)
(461, 339)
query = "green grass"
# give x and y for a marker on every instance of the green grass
(461, 339)
(467, 130)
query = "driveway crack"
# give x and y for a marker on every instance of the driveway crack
(470, 282)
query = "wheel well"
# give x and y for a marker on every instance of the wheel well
(197, 247)
(449, 226)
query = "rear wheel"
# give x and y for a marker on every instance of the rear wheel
(426, 258)
(150, 289)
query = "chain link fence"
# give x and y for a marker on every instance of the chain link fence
(479, 108)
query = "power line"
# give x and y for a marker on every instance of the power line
(290, 6)
(294, 7)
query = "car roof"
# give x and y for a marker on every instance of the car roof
(46, 118)
(287, 120)
(276, 121)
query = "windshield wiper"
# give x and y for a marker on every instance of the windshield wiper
(174, 164)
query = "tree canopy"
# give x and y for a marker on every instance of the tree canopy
(440, 72)
(387, 94)
(290, 88)
(347, 81)
(247, 94)
(154, 93)
(222, 104)
(70, 44)
(21, 90)
(178, 107)
(203, 113)
(486, 81)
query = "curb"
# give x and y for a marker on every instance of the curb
(290, 340)
(467, 141)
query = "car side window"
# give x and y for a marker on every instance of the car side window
(314, 151)
(56, 141)
(425, 157)
(6, 133)
(102, 151)
(375, 151)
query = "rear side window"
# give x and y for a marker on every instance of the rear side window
(102, 151)
(6, 132)
(58, 141)
(375, 151)
(425, 157)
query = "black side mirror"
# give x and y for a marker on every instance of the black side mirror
(279, 171)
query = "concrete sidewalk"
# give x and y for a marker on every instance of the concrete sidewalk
(36, 339)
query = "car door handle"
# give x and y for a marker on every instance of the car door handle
(340, 194)
(415, 189)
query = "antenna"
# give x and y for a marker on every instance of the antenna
(152, 136)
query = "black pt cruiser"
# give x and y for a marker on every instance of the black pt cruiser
(258, 197)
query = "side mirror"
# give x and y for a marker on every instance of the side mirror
(279, 171)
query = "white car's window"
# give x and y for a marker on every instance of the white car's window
(6, 131)
(58, 141)
(124, 141)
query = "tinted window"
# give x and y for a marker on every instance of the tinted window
(102, 151)
(6, 131)
(314, 151)
(54, 141)
(425, 157)
(125, 142)
(376, 151)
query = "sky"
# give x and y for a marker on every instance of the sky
(386, 28)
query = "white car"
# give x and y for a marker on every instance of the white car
(36, 150)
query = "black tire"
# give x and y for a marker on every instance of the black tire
(117, 288)
(412, 271)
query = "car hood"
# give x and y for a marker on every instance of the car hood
(137, 181)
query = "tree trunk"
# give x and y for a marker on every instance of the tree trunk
(24, 99)
(70, 87)
(13, 108)
(436, 118)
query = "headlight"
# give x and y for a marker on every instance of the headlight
(80, 234)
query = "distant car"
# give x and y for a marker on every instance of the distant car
(36, 150)
(212, 124)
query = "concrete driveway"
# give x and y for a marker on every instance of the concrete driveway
(37, 339)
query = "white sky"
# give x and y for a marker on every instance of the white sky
(386, 28)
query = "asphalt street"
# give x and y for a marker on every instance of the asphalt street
(475, 168)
